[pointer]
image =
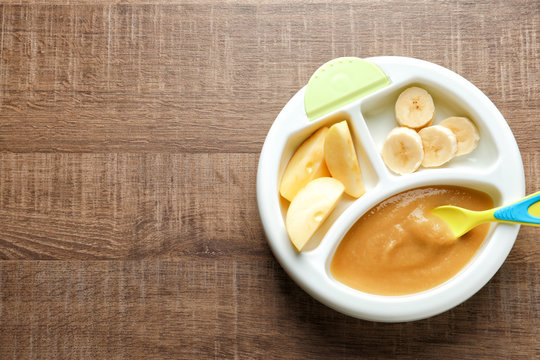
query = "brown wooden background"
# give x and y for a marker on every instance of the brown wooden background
(129, 141)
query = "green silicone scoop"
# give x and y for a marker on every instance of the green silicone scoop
(340, 82)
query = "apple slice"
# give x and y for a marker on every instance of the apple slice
(306, 164)
(341, 159)
(310, 207)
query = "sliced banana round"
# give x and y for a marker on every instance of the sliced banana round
(465, 131)
(402, 150)
(415, 108)
(439, 143)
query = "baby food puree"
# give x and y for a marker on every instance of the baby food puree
(398, 247)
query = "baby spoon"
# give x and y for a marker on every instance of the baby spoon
(525, 211)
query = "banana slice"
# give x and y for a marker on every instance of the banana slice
(439, 143)
(415, 108)
(402, 150)
(465, 131)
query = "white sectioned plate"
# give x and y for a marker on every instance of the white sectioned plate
(495, 167)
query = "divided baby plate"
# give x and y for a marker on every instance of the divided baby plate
(363, 92)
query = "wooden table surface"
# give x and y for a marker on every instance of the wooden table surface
(129, 141)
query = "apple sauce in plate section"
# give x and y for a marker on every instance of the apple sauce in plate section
(398, 247)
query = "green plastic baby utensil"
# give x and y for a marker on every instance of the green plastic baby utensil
(339, 82)
(526, 211)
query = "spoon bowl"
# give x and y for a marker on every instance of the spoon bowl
(526, 211)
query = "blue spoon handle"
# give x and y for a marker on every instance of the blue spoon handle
(524, 211)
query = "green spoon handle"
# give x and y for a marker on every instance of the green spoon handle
(525, 211)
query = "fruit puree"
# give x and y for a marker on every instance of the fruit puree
(399, 248)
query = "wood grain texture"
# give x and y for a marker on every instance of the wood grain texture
(238, 308)
(129, 142)
(128, 206)
(174, 77)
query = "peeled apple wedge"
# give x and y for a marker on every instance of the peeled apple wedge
(306, 164)
(341, 159)
(465, 131)
(310, 208)
(439, 143)
(402, 150)
(415, 108)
